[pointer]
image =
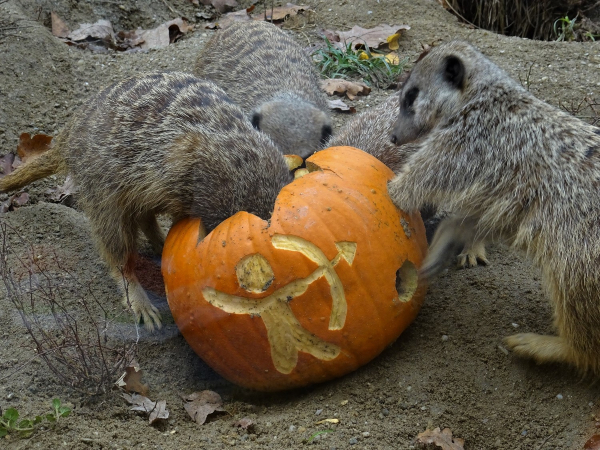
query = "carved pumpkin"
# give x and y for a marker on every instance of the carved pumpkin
(309, 296)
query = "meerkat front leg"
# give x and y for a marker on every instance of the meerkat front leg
(452, 234)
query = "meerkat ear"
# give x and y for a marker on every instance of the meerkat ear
(256, 120)
(326, 132)
(454, 71)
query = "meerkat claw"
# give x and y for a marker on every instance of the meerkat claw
(472, 256)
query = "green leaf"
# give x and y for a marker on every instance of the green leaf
(11, 414)
(25, 424)
(50, 418)
(3, 432)
(37, 420)
(63, 411)
(56, 403)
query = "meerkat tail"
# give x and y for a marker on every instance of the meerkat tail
(46, 164)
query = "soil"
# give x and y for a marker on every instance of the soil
(448, 369)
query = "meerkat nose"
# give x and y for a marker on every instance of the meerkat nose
(394, 139)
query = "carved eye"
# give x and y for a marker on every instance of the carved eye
(409, 98)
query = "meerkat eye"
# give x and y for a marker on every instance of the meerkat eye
(410, 97)
(256, 120)
(326, 133)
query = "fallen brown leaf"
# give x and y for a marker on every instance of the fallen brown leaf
(376, 37)
(440, 439)
(244, 423)
(31, 147)
(6, 162)
(200, 404)
(59, 27)
(351, 88)
(221, 5)
(14, 201)
(593, 443)
(339, 105)
(100, 30)
(227, 19)
(281, 13)
(155, 410)
(133, 380)
(64, 193)
(164, 34)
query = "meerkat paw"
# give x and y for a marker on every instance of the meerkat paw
(472, 255)
(540, 348)
(142, 307)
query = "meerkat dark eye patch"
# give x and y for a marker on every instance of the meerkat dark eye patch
(409, 98)
(256, 120)
(454, 71)
(326, 133)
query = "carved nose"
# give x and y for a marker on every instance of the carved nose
(394, 139)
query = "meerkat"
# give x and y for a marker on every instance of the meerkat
(273, 80)
(509, 166)
(165, 143)
(370, 131)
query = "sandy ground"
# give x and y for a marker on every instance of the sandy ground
(446, 370)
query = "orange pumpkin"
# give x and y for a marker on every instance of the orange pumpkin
(309, 296)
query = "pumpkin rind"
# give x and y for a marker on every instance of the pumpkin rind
(335, 226)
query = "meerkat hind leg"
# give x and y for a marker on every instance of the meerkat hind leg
(541, 348)
(152, 230)
(472, 254)
(135, 297)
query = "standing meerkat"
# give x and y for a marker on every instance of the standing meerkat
(370, 131)
(273, 80)
(159, 144)
(509, 166)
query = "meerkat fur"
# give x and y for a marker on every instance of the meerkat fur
(159, 144)
(370, 131)
(512, 167)
(273, 80)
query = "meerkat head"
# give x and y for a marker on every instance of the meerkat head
(296, 126)
(436, 90)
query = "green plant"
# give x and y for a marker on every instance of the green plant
(564, 29)
(59, 411)
(9, 421)
(318, 433)
(373, 68)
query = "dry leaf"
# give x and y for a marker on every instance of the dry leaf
(200, 404)
(593, 443)
(227, 19)
(373, 37)
(155, 410)
(223, 5)
(63, 194)
(164, 34)
(282, 13)
(351, 88)
(14, 201)
(440, 439)
(30, 147)
(339, 105)
(101, 30)
(59, 27)
(244, 423)
(133, 380)
(320, 422)
(6, 163)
